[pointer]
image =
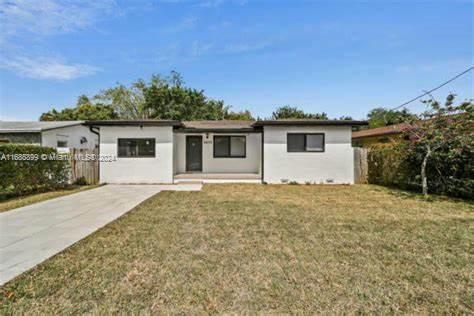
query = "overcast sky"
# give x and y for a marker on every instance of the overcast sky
(338, 57)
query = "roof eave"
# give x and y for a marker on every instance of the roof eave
(377, 135)
(217, 130)
(171, 123)
(309, 123)
(56, 127)
(19, 131)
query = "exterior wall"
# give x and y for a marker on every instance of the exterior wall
(71, 134)
(334, 165)
(21, 138)
(250, 164)
(137, 170)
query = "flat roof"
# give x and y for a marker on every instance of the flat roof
(134, 123)
(188, 126)
(310, 122)
(34, 126)
(222, 125)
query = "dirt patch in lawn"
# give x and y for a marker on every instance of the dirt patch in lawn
(272, 249)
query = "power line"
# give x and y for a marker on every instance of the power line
(434, 89)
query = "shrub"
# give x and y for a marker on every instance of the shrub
(388, 166)
(27, 168)
(398, 165)
(81, 181)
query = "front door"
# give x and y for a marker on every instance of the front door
(193, 153)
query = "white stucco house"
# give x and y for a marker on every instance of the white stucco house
(270, 151)
(56, 134)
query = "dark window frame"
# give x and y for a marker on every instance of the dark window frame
(153, 140)
(305, 143)
(230, 145)
(63, 142)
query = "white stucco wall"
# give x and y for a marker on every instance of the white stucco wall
(137, 170)
(336, 163)
(250, 164)
(71, 134)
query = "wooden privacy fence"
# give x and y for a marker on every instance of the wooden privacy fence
(85, 163)
(361, 166)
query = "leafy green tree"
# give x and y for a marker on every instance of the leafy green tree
(84, 110)
(170, 99)
(95, 112)
(289, 112)
(241, 115)
(382, 117)
(345, 118)
(159, 98)
(127, 102)
(165, 98)
(445, 130)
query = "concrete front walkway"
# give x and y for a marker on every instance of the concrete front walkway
(31, 234)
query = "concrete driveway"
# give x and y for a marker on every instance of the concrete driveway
(31, 234)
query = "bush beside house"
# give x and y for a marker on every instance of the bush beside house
(25, 174)
(398, 165)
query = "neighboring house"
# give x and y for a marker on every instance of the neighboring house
(56, 134)
(384, 134)
(160, 151)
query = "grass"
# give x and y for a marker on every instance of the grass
(16, 202)
(271, 249)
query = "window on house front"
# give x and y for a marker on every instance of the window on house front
(305, 142)
(62, 143)
(229, 146)
(136, 147)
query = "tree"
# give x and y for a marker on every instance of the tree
(165, 98)
(447, 128)
(345, 118)
(170, 99)
(241, 115)
(289, 112)
(382, 117)
(84, 110)
(159, 98)
(128, 103)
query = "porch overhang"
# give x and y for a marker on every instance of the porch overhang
(217, 130)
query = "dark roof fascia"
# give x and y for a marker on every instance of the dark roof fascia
(134, 123)
(310, 123)
(217, 130)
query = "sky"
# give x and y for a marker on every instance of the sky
(340, 57)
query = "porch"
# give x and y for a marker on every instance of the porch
(217, 156)
(191, 177)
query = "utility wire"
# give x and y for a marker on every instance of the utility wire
(434, 89)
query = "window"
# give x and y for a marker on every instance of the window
(229, 146)
(136, 147)
(305, 142)
(62, 143)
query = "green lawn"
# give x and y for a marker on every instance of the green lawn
(265, 248)
(16, 202)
